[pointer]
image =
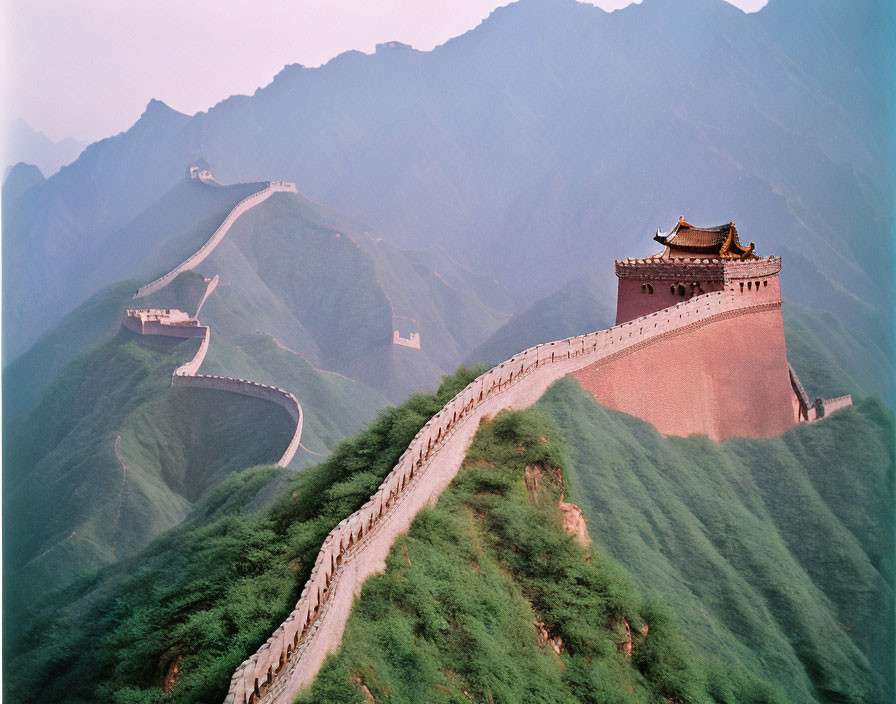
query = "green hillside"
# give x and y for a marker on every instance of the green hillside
(73, 265)
(93, 322)
(763, 570)
(324, 286)
(456, 616)
(831, 360)
(211, 589)
(778, 554)
(70, 506)
(63, 415)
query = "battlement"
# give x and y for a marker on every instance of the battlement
(413, 339)
(656, 282)
(709, 269)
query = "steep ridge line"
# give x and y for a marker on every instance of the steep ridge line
(173, 323)
(200, 254)
(357, 547)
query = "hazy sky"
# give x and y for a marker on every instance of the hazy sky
(87, 68)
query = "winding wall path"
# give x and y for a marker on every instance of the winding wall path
(200, 254)
(187, 374)
(357, 547)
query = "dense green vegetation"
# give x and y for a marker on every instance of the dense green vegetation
(212, 589)
(456, 615)
(777, 554)
(763, 570)
(69, 505)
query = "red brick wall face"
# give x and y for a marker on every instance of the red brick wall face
(727, 378)
(674, 282)
(634, 299)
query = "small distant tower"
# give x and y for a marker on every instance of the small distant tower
(694, 260)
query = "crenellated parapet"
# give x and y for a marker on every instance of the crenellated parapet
(823, 407)
(357, 547)
(721, 270)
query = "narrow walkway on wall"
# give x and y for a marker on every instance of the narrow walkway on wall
(170, 322)
(358, 546)
(206, 249)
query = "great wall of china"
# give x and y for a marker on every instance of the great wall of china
(200, 254)
(175, 323)
(357, 547)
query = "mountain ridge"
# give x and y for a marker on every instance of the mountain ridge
(584, 104)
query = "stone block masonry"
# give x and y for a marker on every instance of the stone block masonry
(357, 547)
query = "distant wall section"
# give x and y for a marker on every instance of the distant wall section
(206, 249)
(175, 323)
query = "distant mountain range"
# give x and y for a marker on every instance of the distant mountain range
(542, 144)
(25, 144)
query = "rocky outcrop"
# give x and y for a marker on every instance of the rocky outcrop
(574, 523)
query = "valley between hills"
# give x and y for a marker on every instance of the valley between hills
(529, 452)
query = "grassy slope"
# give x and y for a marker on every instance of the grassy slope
(778, 554)
(325, 287)
(832, 361)
(709, 530)
(27, 377)
(454, 617)
(69, 506)
(71, 511)
(334, 406)
(211, 589)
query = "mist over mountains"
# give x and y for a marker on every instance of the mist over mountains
(25, 144)
(464, 204)
(546, 142)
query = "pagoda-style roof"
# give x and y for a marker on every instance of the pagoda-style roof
(718, 241)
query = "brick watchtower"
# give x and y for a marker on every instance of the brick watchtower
(722, 368)
(695, 260)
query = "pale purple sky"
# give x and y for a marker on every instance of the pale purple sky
(87, 68)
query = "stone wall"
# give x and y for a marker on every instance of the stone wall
(281, 397)
(186, 374)
(358, 546)
(825, 406)
(199, 255)
(647, 285)
(724, 377)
